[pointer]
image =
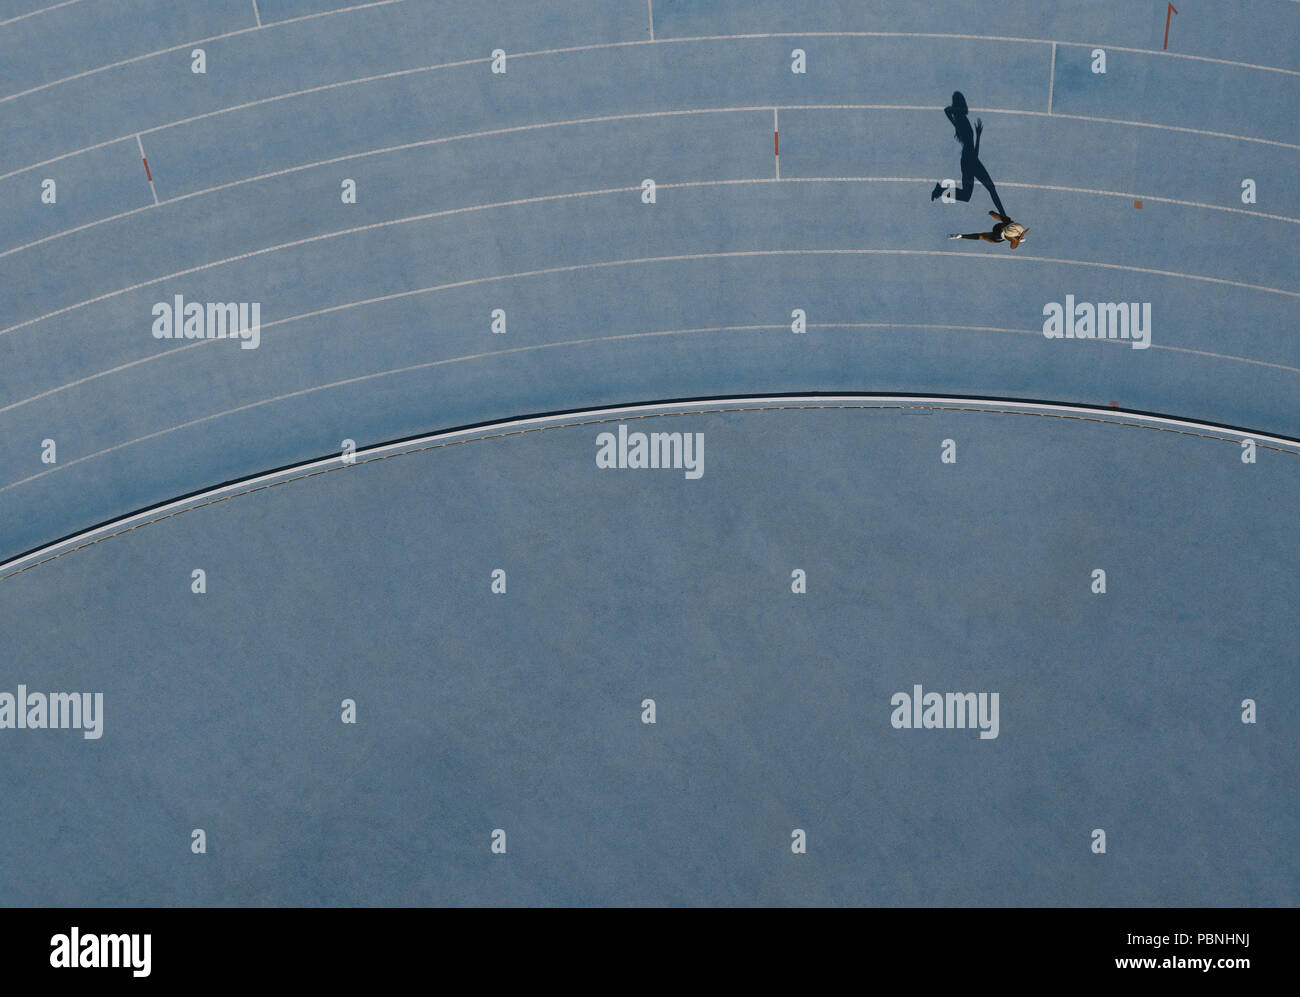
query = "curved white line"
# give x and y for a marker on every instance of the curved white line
(598, 120)
(536, 347)
(607, 45)
(814, 325)
(425, 216)
(358, 379)
(41, 10)
(1044, 114)
(81, 228)
(511, 426)
(994, 38)
(664, 41)
(704, 110)
(185, 45)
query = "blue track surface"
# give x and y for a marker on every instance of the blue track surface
(520, 711)
(523, 192)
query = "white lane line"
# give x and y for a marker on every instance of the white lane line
(988, 38)
(321, 88)
(1038, 333)
(600, 119)
(307, 240)
(833, 325)
(42, 10)
(668, 41)
(177, 48)
(609, 45)
(1155, 198)
(473, 356)
(257, 14)
(376, 152)
(356, 380)
(1051, 79)
(105, 373)
(650, 9)
(733, 254)
(425, 216)
(702, 110)
(78, 228)
(753, 36)
(750, 253)
(68, 155)
(425, 365)
(1185, 55)
(518, 426)
(1169, 128)
(145, 160)
(1040, 114)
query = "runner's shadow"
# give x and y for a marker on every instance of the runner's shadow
(971, 167)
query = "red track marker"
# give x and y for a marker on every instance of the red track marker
(776, 143)
(1138, 205)
(1168, 14)
(148, 175)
